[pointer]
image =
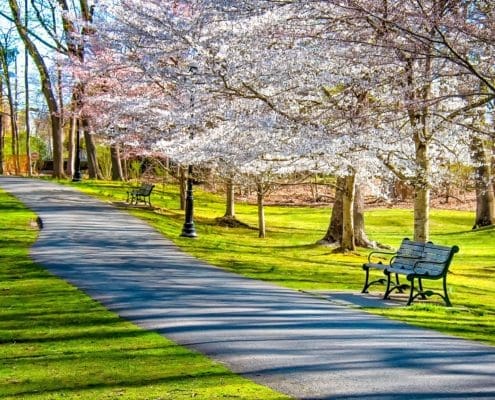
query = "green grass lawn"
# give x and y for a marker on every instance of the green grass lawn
(57, 343)
(289, 256)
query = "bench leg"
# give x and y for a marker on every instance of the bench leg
(367, 282)
(365, 287)
(387, 290)
(411, 293)
(446, 298)
(420, 285)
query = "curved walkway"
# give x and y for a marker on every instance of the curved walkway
(295, 343)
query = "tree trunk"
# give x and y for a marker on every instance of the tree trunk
(261, 210)
(485, 197)
(27, 102)
(182, 188)
(334, 231)
(93, 167)
(72, 144)
(230, 204)
(46, 89)
(422, 191)
(348, 241)
(336, 226)
(117, 174)
(360, 236)
(11, 104)
(16, 150)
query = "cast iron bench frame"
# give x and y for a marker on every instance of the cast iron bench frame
(141, 193)
(415, 260)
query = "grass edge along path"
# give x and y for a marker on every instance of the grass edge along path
(58, 343)
(290, 258)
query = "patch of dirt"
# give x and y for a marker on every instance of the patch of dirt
(323, 196)
(230, 222)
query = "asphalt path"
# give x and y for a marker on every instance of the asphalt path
(296, 343)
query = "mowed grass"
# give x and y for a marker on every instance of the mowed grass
(57, 343)
(290, 257)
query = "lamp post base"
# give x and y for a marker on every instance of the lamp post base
(77, 177)
(188, 230)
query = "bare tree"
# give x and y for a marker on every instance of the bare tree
(47, 88)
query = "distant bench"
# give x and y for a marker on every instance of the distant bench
(415, 260)
(141, 193)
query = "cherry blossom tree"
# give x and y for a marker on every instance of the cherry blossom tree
(346, 83)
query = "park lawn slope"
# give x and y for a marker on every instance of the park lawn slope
(290, 257)
(58, 343)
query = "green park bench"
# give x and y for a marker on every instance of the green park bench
(417, 261)
(142, 193)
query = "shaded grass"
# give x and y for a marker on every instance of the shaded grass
(57, 343)
(289, 256)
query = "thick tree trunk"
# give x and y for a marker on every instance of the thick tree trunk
(360, 236)
(93, 167)
(422, 192)
(485, 196)
(348, 241)
(230, 200)
(334, 231)
(336, 226)
(117, 174)
(260, 194)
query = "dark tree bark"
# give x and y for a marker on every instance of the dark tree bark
(117, 174)
(260, 196)
(348, 242)
(72, 144)
(334, 231)
(335, 228)
(360, 236)
(230, 200)
(93, 167)
(182, 187)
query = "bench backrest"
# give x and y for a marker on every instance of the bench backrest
(408, 253)
(146, 189)
(436, 259)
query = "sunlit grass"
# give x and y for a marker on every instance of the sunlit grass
(290, 257)
(57, 343)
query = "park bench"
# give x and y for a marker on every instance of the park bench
(142, 193)
(416, 261)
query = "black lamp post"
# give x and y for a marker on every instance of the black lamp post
(77, 177)
(188, 230)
